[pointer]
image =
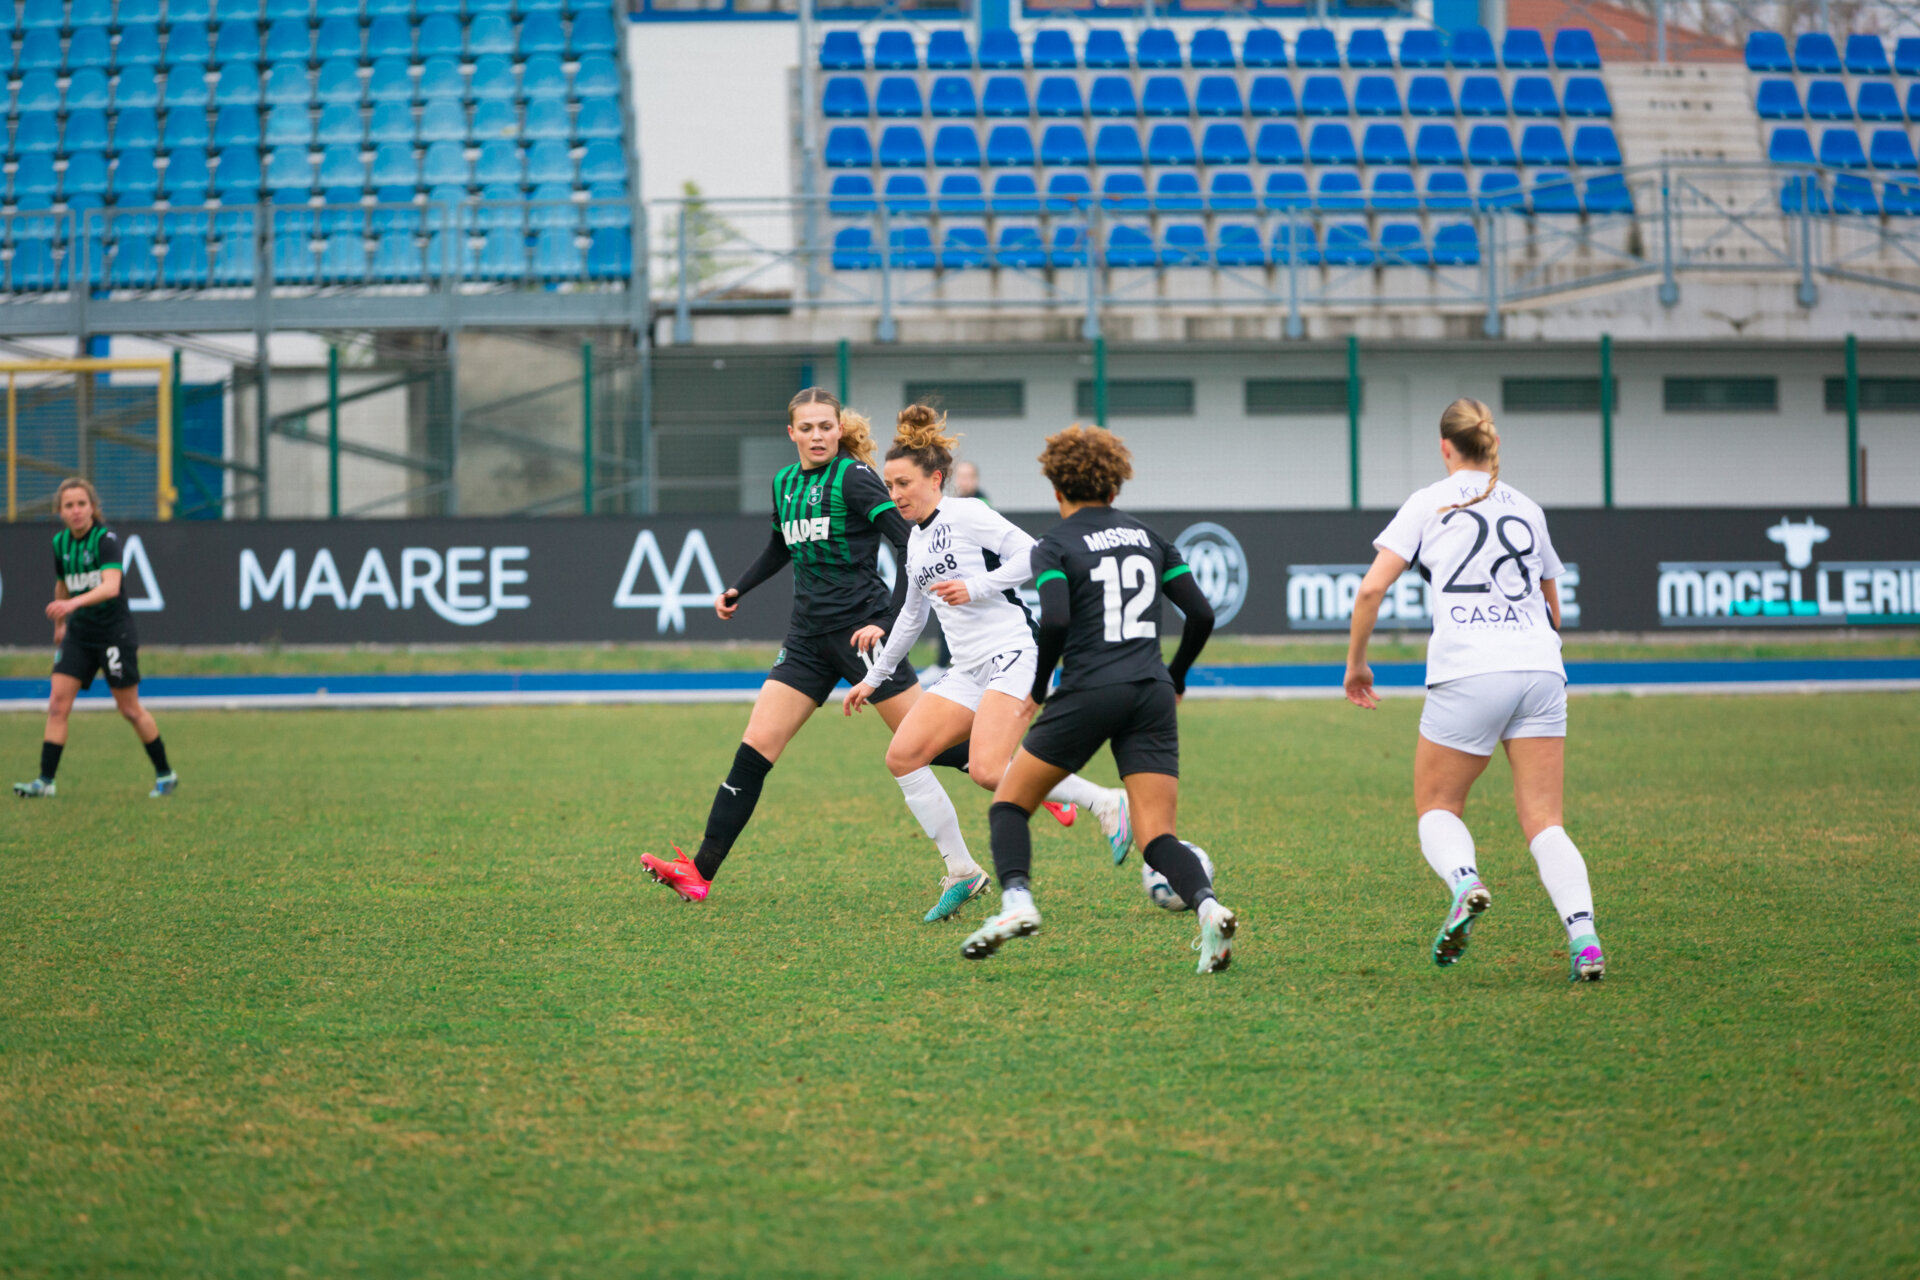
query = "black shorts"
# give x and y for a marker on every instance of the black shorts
(1139, 719)
(119, 661)
(815, 664)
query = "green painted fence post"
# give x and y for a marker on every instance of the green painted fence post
(1100, 380)
(1606, 420)
(1853, 421)
(586, 428)
(333, 433)
(843, 359)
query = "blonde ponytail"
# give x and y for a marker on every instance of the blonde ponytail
(1468, 426)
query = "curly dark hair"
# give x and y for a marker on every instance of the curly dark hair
(1086, 464)
(921, 437)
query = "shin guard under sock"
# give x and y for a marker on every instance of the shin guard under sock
(1012, 844)
(1172, 859)
(732, 806)
(157, 752)
(50, 758)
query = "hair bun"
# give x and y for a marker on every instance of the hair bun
(921, 427)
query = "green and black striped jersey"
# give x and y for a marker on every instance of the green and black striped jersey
(79, 562)
(829, 520)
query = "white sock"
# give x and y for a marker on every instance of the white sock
(1564, 872)
(934, 808)
(1448, 847)
(1074, 789)
(1011, 898)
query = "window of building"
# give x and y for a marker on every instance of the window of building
(1722, 395)
(1553, 395)
(972, 399)
(1877, 395)
(1269, 396)
(1138, 398)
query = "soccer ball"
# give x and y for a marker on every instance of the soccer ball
(1160, 891)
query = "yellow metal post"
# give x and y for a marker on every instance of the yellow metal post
(166, 496)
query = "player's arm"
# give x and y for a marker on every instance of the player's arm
(1551, 568)
(64, 604)
(900, 641)
(60, 593)
(1550, 592)
(1012, 544)
(1386, 570)
(1186, 596)
(1056, 613)
(772, 559)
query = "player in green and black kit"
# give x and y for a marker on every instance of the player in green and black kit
(1101, 575)
(830, 511)
(93, 632)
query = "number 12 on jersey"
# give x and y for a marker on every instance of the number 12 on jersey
(1117, 577)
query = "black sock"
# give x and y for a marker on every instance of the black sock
(50, 758)
(732, 806)
(1172, 859)
(1012, 844)
(954, 757)
(157, 752)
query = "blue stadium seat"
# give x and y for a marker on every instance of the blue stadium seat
(443, 120)
(36, 131)
(955, 146)
(238, 85)
(238, 174)
(394, 166)
(1906, 56)
(324, 9)
(892, 50)
(1053, 50)
(80, 13)
(43, 15)
(1827, 100)
(1021, 248)
(1447, 189)
(339, 37)
(1279, 143)
(541, 33)
(964, 248)
(1385, 144)
(1000, 51)
(953, 96)
(1554, 192)
(1323, 96)
(1543, 144)
(39, 91)
(1534, 96)
(1607, 193)
(848, 148)
(1814, 54)
(86, 130)
(1790, 146)
(388, 37)
(1854, 194)
(1068, 192)
(1239, 246)
(135, 178)
(1866, 56)
(241, 10)
(287, 82)
(1059, 96)
(234, 257)
(341, 167)
(841, 51)
(853, 250)
(1367, 47)
(1491, 144)
(1157, 47)
(1482, 96)
(1272, 96)
(130, 11)
(1005, 96)
(1184, 244)
(1177, 191)
(1913, 102)
(1316, 47)
(1808, 191)
(490, 120)
(186, 265)
(1064, 145)
(1339, 190)
(910, 249)
(1595, 146)
(1429, 95)
(845, 97)
(1376, 96)
(542, 76)
(1296, 242)
(289, 40)
(1574, 50)
(1891, 149)
(599, 118)
(1347, 245)
(1423, 48)
(1210, 47)
(1225, 142)
(1332, 144)
(1767, 51)
(898, 96)
(288, 169)
(593, 32)
(186, 86)
(185, 129)
(1522, 49)
(89, 88)
(499, 162)
(1587, 98)
(35, 176)
(1840, 149)
(140, 127)
(90, 48)
(1218, 96)
(1456, 245)
(492, 78)
(187, 172)
(602, 160)
(1402, 245)
(1878, 101)
(947, 50)
(1112, 96)
(906, 193)
(1230, 190)
(1500, 189)
(1106, 48)
(446, 165)
(1263, 47)
(1393, 189)
(851, 195)
(1129, 246)
(491, 33)
(1471, 48)
(139, 46)
(1118, 144)
(1779, 100)
(1165, 96)
(186, 42)
(1901, 199)
(1009, 146)
(339, 81)
(240, 42)
(1124, 191)
(86, 174)
(236, 126)
(1172, 144)
(1015, 193)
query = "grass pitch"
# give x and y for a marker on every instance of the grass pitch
(386, 994)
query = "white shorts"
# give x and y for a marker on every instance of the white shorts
(1475, 714)
(1010, 673)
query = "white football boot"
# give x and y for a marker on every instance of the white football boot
(1215, 943)
(1019, 920)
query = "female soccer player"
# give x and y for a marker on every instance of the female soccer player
(1102, 575)
(966, 558)
(829, 513)
(92, 632)
(1493, 675)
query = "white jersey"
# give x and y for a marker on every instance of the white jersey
(965, 539)
(1484, 565)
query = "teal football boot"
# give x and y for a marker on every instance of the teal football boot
(35, 789)
(1451, 942)
(163, 786)
(956, 892)
(1588, 964)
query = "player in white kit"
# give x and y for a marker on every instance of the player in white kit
(1494, 675)
(964, 559)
